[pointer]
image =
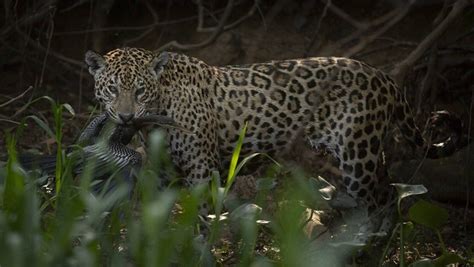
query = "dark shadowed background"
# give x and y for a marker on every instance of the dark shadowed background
(426, 45)
(42, 45)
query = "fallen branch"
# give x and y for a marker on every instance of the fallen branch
(401, 68)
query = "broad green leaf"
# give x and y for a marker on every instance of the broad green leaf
(245, 211)
(422, 263)
(262, 261)
(448, 259)
(428, 214)
(470, 253)
(406, 190)
(327, 190)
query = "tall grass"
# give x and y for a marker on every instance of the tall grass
(148, 225)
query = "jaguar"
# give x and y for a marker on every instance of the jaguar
(342, 105)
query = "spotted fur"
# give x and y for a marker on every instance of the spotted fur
(343, 105)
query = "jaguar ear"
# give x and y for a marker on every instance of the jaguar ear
(158, 63)
(95, 62)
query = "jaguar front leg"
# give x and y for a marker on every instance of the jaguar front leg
(195, 153)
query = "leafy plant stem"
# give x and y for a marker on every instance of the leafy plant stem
(441, 242)
(402, 245)
(59, 154)
(235, 158)
(385, 251)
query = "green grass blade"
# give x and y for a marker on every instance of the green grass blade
(235, 157)
(43, 125)
(236, 153)
(14, 181)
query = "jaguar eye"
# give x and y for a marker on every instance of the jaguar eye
(140, 91)
(113, 90)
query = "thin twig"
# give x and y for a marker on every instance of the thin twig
(385, 47)
(267, 19)
(201, 28)
(464, 35)
(16, 98)
(149, 30)
(9, 121)
(384, 18)
(468, 162)
(370, 38)
(50, 68)
(210, 39)
(164, 29)
(343, 15)
(71, 7)
(71, 61)
(427, 80)
(49, 32)
(318, 26)
(133, 28)
(28, 20)
(401, 68)
(357, 34)
(448, 60)
(200, 24)
(442, 14)
(430, 75)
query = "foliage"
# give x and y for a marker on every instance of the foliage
(151, 226)
(428, 215)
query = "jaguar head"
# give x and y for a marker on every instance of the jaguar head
(126, 80)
